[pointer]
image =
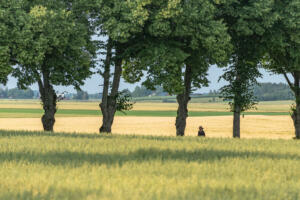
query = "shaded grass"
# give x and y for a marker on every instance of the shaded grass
(20, 112)
(37, 165)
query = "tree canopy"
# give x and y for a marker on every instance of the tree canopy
(283, 50)
(9, 16)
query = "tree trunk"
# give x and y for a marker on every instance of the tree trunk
(296, 109)
(296, 120)
(183, 100)
(109, 102)
(237, 122)
(108, 116)
(49, 99)
(295, 87)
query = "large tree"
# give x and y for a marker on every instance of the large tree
(284, 50)
(248, 21)
(181, 40)
(55, 49)
(121, 23)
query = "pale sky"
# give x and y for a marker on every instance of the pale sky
(92, 84)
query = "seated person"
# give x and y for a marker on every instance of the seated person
(201, 132)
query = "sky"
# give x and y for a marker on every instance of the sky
(92, 85)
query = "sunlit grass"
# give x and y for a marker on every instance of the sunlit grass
(251, 126)
(79, 166)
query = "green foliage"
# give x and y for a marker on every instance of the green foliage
(54, 41)
(177, 34)
(79, 166)
(242, 79)
(122, 19)
(284, 43)
(9, 16)
(248, 22)
(124, 101)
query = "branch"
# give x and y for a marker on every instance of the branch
(289, 82)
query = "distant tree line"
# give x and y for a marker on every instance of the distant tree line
(142, 91)
(273, 92)
(16, 93)
(267, 92)
(262, 92)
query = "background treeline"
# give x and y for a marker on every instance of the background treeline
(263, 92)
(273, 92)
(16, 93)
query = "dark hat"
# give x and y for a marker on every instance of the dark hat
(201, 127)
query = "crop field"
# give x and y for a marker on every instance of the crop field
(142, 159)
(79, 166)
(266, 107)
(251, 126)
(270, 120)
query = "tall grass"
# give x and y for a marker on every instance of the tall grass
(37, 165)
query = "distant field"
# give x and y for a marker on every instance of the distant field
(271, 120)
(30, 108)
(25, 112)
(272, 127)
(80, 166)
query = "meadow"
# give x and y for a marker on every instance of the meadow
(142, 159)
(270, 120)
(36, 165)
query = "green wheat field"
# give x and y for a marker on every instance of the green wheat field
(36, 165)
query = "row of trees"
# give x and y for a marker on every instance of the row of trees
(168, 43)
(273, 92)
(16, 93)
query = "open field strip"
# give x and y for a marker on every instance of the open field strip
(273, 106)
(29, 112)
(251, 126)
(33, 109)
(65, 166)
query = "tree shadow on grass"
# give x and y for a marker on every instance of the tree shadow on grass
(4, 133)
(76, 159)
(51, 193)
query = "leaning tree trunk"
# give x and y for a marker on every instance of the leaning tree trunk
(237, 121)
(183, 100)
(49, 99)
(109, 102)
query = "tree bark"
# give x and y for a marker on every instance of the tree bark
(296, 120)
(49, 100)
(296, 110)
(183, 100)
(237, 122)
(109, 101)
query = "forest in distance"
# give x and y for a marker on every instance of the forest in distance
(262, 92)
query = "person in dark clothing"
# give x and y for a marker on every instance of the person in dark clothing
(201, 132)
